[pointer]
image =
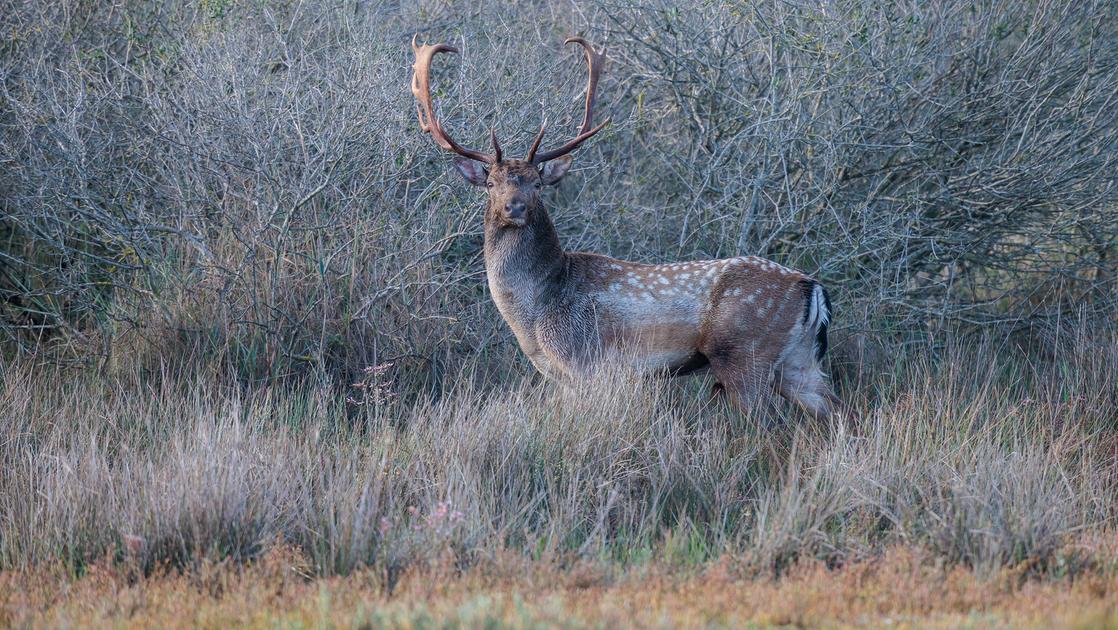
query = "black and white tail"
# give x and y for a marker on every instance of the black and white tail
(817, 315)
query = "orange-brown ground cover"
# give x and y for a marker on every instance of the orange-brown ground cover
(902, 589)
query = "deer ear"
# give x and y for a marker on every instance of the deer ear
(554, 170)
(472, 171)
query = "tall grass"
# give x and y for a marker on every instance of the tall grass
(985, 456)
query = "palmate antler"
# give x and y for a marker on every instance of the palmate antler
(594, 60)
(429, 122)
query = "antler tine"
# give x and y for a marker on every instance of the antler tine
(536, 143)
(594, 60)
(496, 146)
(425, 109)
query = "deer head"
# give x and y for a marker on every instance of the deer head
(513, 185)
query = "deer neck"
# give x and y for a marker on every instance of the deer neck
(525, 265)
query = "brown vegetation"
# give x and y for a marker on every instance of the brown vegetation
(901, 589)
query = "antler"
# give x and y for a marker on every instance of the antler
(428, 122)
(594, 60)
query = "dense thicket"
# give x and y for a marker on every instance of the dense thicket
(246, 180)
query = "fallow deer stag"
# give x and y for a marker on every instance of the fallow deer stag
(755, 324)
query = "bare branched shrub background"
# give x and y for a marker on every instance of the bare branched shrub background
(200, 199)
(247, 180)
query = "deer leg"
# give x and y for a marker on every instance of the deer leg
(744, 378)
(807, 388)
(716, 391)
(800, 380)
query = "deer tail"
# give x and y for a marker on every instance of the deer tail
(817, 316)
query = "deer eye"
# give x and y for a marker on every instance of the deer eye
(488, 184)
(538, 185)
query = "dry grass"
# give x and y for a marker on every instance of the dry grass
(900, 589)
(986, 457)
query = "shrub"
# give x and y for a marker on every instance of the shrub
(245, 182)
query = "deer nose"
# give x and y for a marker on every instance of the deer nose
(515, 209)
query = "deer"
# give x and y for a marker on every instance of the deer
(756, 325)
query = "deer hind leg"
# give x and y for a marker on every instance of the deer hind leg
(799, 379)
(717, 391)
(809, 390)
(743, 377)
